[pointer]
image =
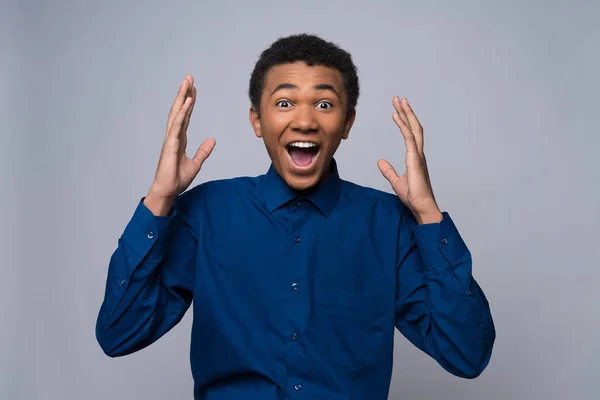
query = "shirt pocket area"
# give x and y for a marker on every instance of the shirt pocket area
(356, 328)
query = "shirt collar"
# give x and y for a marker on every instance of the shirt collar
(324, 196)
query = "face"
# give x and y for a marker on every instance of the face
(302, 121)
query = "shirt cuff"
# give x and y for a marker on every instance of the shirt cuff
(144, 230)
(440, 243)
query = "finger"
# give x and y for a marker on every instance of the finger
(175, 130)
(204, 151)
(178, 102)
(415, 125)
(409, 138)
(188, 114)
(399, 107)
(397, 103)
(186, 120)
(388, 171)
(398, 182)
(409, 118)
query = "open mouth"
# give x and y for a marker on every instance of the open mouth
(303, 153)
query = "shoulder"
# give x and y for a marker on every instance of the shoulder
(369, 197)
(364, 193)
(216, 190)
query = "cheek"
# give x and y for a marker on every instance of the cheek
(275, 125)
(333, 128)
(333, 144)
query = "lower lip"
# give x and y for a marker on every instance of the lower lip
(303, 168)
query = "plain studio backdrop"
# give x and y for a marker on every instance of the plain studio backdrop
(507, 93)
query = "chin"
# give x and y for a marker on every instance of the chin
(301, 183)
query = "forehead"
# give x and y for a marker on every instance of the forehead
(303, 76)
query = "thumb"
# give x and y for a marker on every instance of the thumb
(398, 182)
(204, 151)
(388, 172)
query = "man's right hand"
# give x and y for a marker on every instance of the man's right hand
(175, 171)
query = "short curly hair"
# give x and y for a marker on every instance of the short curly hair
(312, 50)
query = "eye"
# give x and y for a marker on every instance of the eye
(324, 105)
(283, 104)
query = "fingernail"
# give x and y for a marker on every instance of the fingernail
(406, 101)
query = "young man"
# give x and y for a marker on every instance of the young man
(297, 277)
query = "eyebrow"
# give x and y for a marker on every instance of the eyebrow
(321, 86)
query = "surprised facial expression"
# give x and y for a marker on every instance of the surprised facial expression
(303, 118)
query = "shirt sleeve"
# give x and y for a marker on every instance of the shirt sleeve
(440, 308)
(149, 286)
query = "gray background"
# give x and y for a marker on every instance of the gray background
(507, 93)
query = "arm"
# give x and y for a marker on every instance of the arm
(440, 308)
(150, 279)
(151, 273)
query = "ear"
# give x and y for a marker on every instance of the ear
(255, 122)
(348, 124)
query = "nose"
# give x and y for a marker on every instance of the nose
(304, 120)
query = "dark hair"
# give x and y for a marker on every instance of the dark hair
(312, 50)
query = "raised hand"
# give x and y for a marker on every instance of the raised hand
(175, 171)
(414, 186)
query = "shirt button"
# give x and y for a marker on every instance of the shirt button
(294, 286)
(294, 336)
(298, 387)
(298, 203)
(297, 239)
(444, 241)
(150, 235)
(123, 282)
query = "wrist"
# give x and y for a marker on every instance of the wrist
(431, 217)
(159, 206)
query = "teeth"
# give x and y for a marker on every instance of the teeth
(303, 144)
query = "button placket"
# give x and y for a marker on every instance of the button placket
(297, 297)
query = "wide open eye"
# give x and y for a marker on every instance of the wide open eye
(283, 104)
(324, 105)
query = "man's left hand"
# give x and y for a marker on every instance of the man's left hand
(414, 186)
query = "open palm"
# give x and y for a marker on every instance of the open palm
(414, 186)
(176, 171)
